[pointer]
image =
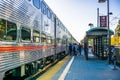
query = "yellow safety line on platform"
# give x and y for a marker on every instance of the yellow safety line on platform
(53, 70)
(62, 77)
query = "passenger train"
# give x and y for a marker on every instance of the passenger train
(31, 35)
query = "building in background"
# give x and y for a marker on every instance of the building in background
(115, 40)
(117, 30)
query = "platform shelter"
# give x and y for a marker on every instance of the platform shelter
(99, 36)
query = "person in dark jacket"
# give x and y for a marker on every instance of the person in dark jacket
(79, 48)
(70, 49)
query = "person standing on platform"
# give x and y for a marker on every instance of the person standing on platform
(79, 48)
(90, 50)
(86, 50)
(75, 49)
(70, 49)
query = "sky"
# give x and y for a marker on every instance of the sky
(77, 14)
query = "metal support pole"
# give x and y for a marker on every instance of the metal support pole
(98, 17)
(109, 52)
(55, 33)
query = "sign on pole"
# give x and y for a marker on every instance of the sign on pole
(103, 21)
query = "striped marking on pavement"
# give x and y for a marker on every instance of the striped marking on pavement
(62, 77)
(53, 70)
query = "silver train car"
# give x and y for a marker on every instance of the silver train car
(31, 35)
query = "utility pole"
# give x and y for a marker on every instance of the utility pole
(108, 36)
(98, 17)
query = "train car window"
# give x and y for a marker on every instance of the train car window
(2, 29)
(36, 36)
(48, 13)
(52, 16)
(43, 7)
(8, 30)
(36, 3)
(64, 28)
(58, 40)
(57, 21)
(49, 40)
(25, 34)
(43, 38)
(52, 41)
(63, 41)
(11, 31)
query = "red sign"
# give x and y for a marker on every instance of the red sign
(103, 21)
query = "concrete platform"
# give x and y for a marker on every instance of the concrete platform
(78, 68)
